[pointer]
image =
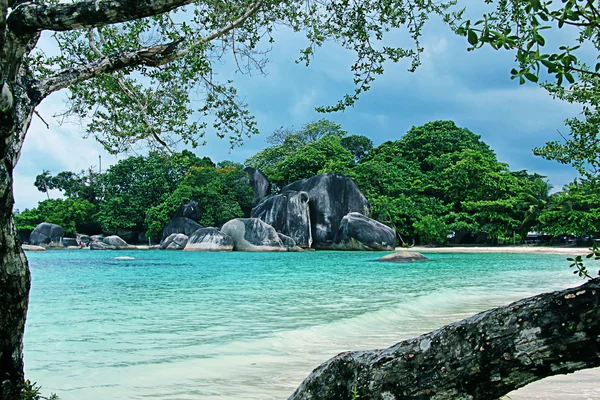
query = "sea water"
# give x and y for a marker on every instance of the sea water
(179, 325)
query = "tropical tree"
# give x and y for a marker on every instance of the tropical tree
(315, 148)
(134, 185)
(573, 211)
(74, 215)
(43, 182)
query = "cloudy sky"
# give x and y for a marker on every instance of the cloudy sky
(472, 88)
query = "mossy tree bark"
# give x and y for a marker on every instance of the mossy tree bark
(480, 358)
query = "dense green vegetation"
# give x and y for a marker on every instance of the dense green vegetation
(438, 183)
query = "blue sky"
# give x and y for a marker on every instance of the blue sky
(472, 88)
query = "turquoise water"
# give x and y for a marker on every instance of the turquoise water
(175, 325)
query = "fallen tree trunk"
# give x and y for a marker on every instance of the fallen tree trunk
(482, 357)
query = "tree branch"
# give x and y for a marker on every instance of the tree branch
(35, 17)
(480, 358)
(130, 92)
(153, 56)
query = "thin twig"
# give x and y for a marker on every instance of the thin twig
(40, 117)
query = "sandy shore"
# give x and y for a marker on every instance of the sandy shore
(500, 249)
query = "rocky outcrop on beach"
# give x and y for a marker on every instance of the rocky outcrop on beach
(331, 197)
(404, 256)
(209, 239)
(183, 225)
(287, 212)
(117, 242)
(175, 241)
(85, 239)
(96, 238)
(189, 209)
(357, 232)
(46, 234)
(96, 245)
(66, 242)
(253, 234)
(259, 184)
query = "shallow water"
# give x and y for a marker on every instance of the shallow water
(175, 325)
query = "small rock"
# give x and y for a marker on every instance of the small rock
(404, 257)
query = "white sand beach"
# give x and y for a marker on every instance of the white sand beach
(500, 249)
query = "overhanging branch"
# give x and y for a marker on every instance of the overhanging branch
(152, 56)
(32, 17)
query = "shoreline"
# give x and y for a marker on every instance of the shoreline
(500, 249)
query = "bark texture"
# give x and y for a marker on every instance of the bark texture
(14, 272)
(482, 357)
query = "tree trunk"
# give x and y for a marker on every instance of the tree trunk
(14, 292)
(15, 115)
(480, 358)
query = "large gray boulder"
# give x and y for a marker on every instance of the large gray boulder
(259, 183)
(289, 213)
(96, 245)
(180, 225)
(66, 242)
(253, 234)
(189, 209)
(96, 238)
(332, 196)
(46, 233)
(209, 239)
(116, 242)
(175, 241)
(357, 232)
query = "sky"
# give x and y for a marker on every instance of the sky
(473, 89)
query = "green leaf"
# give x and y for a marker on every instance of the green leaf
(472, 37)
(531, 77)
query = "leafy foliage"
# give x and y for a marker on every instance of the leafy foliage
(135, 184)
(30, 391)
(315, 148)
(222, 194)
(74, 215)
(572, 67)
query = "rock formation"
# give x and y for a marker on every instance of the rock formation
(259, 183)
(46, 233)
(189, 209)
(85, 239)
(66, 242)
(175, 241)
(96, 245)
(96, 238)
(332, 196)
(180, 225)
(116, 242)
(287, 212)
(357, 232)
(252, 234)
(209, 239)
(404, 256)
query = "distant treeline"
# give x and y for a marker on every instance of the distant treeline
(438, 183)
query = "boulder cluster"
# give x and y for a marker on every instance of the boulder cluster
(326, 211)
